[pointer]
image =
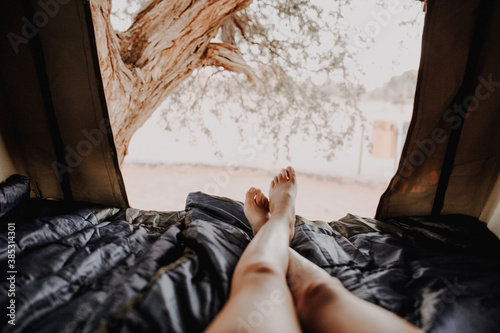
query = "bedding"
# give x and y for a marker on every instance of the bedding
(81, 268)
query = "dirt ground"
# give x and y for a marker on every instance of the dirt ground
(165, 187)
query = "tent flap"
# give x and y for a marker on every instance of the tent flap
(450, 161)
(53, 104)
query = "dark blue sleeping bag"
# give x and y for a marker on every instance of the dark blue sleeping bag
(81, 268)
(13, 192)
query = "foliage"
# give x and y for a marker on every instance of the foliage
(399, 90)
(307, 77)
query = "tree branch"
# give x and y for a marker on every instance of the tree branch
(168, 40)
(228, 57)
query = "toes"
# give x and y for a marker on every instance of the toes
(258, 197)
(281, 177)
(265, 202)
(291, 174)
(251, 194)
(261, 199)
(287, 174)
(255, 197)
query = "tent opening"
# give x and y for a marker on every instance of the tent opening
(190, 147)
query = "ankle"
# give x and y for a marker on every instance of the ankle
(284, 213)
(286, 218)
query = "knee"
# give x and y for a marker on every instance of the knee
(261, 270)
(258, 276)
(322, 293)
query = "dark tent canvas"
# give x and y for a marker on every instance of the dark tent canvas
(450, 162)
(55, 127)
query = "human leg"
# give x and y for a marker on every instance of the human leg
(260, 300)
(324, 305)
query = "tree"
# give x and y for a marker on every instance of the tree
(166, 42)
(299, 87)
(189, 44)
(399, 90)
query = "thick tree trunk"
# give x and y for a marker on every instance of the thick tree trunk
(167, 41)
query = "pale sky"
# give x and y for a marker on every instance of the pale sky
(396, 48)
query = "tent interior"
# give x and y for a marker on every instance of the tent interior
(85, 261)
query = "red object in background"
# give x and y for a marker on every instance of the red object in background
(384, 136)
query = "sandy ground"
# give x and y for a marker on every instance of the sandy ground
(165, 187)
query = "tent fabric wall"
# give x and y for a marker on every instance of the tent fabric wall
(7, 167)
(451, 161)
(55, 126)
(491, 211)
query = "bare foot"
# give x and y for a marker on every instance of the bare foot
(256, 209)
(282, 194)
